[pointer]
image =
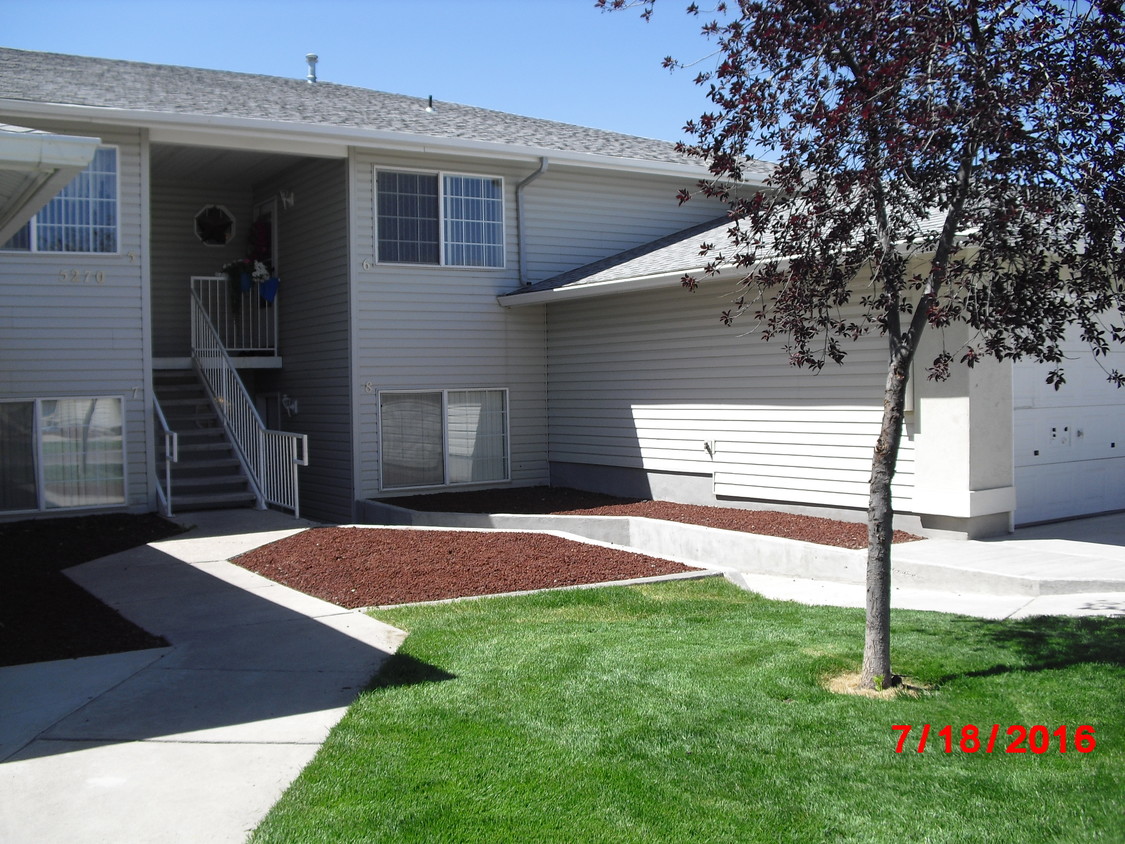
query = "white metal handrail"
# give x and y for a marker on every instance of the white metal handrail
(171, 455)
(269, 457)
(244, 321)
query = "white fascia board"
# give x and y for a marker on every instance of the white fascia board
(515, 299)
(43, 151)
(330, 141)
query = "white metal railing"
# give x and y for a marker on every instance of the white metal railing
(171, 455)
(245, 321)
(270, 457)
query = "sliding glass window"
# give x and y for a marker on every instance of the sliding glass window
(440, 437)
(62, 453)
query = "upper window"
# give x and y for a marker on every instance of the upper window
(81, 218)
(425, 218)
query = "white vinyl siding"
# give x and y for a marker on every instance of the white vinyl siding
(438, 438)
(75, 324)
(177, 254)
(420, 327)
(314, 307)
(64, 453)
(82, 217)
(654, 381)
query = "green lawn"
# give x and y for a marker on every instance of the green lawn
(693, 711)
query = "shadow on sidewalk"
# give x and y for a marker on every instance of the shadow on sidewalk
(251, 661)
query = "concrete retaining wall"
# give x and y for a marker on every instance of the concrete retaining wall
(695, 545)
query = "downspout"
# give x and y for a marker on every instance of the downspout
(519, 218)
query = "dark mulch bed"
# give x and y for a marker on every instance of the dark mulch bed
(46, 616)
(361, 567)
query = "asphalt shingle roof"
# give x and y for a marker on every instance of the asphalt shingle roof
(675, 253)
(168, 89)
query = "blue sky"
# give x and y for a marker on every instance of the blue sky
(556, 59)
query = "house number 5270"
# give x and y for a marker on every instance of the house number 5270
(82, 276)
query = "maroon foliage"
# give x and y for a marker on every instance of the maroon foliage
(937, 162)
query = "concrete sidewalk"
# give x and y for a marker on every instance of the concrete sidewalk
(1066, 568)
(197, 741)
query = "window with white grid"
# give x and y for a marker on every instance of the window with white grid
(445, 219)
(81, 218)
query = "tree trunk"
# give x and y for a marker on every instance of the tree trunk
(876, 672)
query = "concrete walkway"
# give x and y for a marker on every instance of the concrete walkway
(1066, 568)
(195, 742)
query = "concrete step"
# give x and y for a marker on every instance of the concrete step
(212, 501)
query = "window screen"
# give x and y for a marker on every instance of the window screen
(443, 437)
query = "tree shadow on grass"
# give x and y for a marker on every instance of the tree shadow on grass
(1046, 643)
(404, 670)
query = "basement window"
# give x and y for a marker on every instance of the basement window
(61, 453)
(443, 437)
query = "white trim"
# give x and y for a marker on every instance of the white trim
(589, 290)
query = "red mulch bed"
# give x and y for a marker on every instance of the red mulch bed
(560, 501)
(364, 567)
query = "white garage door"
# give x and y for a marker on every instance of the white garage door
(1069, 443)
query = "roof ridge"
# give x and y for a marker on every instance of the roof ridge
(132, 76)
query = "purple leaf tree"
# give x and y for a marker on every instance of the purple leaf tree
(936, 162)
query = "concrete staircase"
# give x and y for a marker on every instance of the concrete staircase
(208, 474)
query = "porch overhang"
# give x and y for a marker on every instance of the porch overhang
(34, 166)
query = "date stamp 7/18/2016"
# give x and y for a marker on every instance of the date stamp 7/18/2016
(993, 739)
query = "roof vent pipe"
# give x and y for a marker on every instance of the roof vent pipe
(312, 59)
